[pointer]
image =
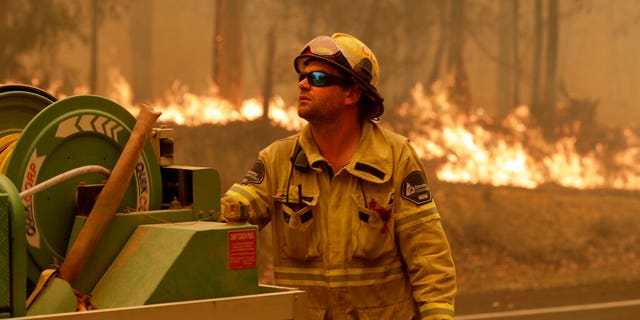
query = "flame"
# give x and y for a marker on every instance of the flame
(466, 148)
(475, 149)
(470, 148)
(185, 108)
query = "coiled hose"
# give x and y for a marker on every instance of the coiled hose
(8, 142)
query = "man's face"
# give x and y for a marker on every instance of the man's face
(317, 103)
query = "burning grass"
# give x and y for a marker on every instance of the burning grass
(472, 147)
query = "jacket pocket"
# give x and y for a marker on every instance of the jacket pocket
(374, 233)
(300, 234)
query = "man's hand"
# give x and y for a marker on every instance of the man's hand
(234, 210)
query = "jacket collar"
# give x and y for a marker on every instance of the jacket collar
(372, 161)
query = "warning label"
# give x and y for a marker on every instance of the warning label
(242, 249)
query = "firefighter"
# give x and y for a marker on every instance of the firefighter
(354, 222)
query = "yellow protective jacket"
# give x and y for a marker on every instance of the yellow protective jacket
(365, 242)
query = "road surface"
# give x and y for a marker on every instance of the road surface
(619, 301)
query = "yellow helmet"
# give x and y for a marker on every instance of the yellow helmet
(350, 55)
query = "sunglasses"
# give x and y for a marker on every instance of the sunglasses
(323, 79)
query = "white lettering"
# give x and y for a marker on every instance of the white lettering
(141, 182)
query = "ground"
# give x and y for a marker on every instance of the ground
(505, 238)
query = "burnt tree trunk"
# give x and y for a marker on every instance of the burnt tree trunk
(227, 50)
(507, 95)
(536, 67)
(141, 35)
(267, 90)
(547, 116)
(93, 71)
(459, 91)
(442, 45)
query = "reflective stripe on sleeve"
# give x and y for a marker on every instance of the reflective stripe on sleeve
(436, 311)
(338, 278)
(422, 214)
(438, 317)
(247, 195)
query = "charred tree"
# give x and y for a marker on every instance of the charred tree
(93, 68)
(547, 108)
(39, 28)
(577, 118)
(267, 90)
(508, 71)
(419, 62)
(459, 90)
(368, 32)
(442, 44)
(227, 50)
(141, 35)
(538, 34)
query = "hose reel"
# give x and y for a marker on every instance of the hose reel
(55, 137)
(18, 105)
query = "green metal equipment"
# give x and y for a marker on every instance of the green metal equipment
(13, 249)
(70, 133)
(162, 254)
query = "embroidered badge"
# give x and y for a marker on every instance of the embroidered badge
(255, 175)
(415, 188)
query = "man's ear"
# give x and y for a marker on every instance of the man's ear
(353, 95)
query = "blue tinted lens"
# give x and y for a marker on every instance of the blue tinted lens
(318, 78)
(321, 79)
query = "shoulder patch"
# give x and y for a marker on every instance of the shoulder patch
(255, 175)
(415, 188)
